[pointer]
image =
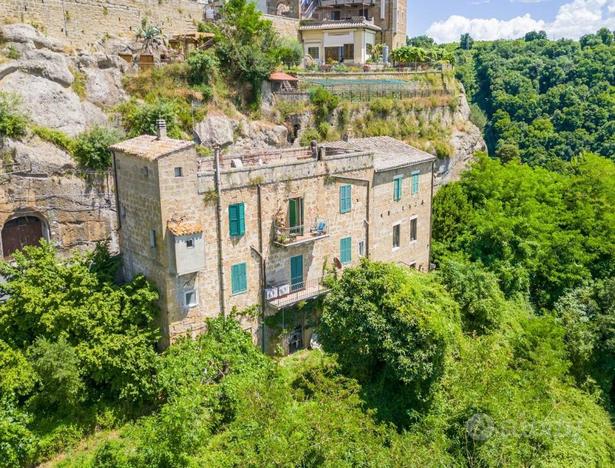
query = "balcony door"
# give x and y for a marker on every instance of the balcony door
(295, 216)
(296, 273)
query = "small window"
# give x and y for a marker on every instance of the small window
(190, 243)
(348, 51)
(413, 265)
(361, 248)
(396, 231)
(345, 198)
(314, 52)
(190, 299)
(346, 250)
(397, 181)
(239, 278)
(415, 182)
(336, 15)
(413, 227)
(178, 172)
(152, 238)
(145, 171)
(236, 219)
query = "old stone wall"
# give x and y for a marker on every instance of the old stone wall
(85, 22)
(286, 26)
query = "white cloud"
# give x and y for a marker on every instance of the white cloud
(573, 19)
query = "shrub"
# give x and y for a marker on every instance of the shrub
(58, 367)
(140, 118)
(443, 149)
(289, 52)
(17, 378)
(308, 136)
(17, 443)
(91, 148)
(477, 116)
(55, 137)
(382, 106)
(12, 122)
(324, 102)
(202, 67)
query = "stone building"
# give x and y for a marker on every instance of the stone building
(226, 233)
(389, 16)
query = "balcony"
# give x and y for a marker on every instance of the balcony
(286, 295)
(344, 3)
(299, 234)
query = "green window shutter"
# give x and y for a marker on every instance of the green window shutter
(346, 250)
(236, 219)
(345, 199)
(239, 279)
(415, 182)
(397, 188)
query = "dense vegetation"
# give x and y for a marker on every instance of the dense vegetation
(418, 370)
(545, 101)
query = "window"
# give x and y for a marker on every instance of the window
(346, 250)
(145, 171)
(415, 182)
(369, 48)
(190, 243)
(413, 265)
(314, 52)
(190, 299)
(336, 15)
(364, 13)
(152, 238)
(397, 188)
(239, 278)
(345, 198)
(236, 220)
(413, 226)
(348, 51)
(295, 216)
(361, 248)
(396, 230)
(296, 273)
(178, 172)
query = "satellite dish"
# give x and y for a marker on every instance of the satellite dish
(337, 263)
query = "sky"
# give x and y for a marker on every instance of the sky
(446, 20)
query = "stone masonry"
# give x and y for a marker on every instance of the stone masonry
(170, 200)
(85, 22)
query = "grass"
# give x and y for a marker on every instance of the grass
(56, 137)
(78, 85)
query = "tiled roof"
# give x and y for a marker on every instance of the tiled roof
(340, 25)
(150, 147)
(182, 227)
(281, 76)
(389, 153)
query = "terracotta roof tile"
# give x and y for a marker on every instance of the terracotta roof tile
(150, 147)
(183, 227)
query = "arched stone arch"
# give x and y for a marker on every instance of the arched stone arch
(23, 229)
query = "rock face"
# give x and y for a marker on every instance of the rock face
(42, 191)
(240, 134)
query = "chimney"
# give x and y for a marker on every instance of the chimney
(161, 129)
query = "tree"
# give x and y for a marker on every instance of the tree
(466, 42)
(68, 315)
(91, 148)
(535, 36)
(424, 42)
(383, 323)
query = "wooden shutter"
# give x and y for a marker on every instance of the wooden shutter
(239, 280)
(346, 250)
(397, 188)
(345, 198)
(236, 219)
(415, 182)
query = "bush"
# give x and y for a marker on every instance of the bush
(382, 106)
(202, 67)
(55, 137)
(477, 116)
(17, 443)
(107, 325)
(140, 118)
(58, 367)
(12, 122)
(17, 378)
(289, 52)
(308, 136)
(324, 102)
(91, 148)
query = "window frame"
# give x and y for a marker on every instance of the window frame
(361, 248)
(416, 182)
(178, 171)
(195, 294)
(397, 228)
(241, 220)
(236, 288)
(346, 247)
(190, 244)
(415, 220)
(345, 198)
(397, 187)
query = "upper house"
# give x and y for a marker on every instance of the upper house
(229, 232)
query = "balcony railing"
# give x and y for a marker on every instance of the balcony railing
(286, 295)
(299, 234)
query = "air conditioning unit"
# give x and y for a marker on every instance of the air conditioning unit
(271, 293)
(284, 290)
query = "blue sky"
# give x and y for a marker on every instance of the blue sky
(445, 20)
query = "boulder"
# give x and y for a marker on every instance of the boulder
(39, 157)
(216, 130)
(26, 34)
(46, 64)
(104, 86)
(46, 102)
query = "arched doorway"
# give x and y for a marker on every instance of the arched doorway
(21, 231)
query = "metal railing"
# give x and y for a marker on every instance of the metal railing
(285, 295)
(290, 234)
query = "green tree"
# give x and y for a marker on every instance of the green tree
(91, 148)
(466, 42)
